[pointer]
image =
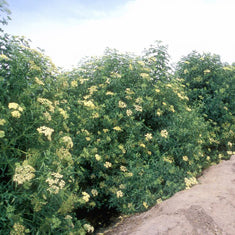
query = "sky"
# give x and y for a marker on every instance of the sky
(69, 30)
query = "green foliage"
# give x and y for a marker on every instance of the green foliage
(115, 135)
(123, 115)
(157, 59)
(4, 13)
(210, 85)
(105, 136)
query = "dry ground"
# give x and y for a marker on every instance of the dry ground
(206, 208)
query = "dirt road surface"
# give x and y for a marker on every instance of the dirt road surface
(206, 208)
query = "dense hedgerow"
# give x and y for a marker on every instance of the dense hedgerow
(210, 85)
(114, 136)
(105, 136)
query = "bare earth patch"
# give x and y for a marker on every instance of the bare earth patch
(206, 208)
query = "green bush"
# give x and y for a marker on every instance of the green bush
(106, 137)
(113, 136)
(5, 14)
(115, 112)
(210, 86)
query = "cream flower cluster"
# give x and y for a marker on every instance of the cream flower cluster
(181, 96)
(190, 182)
(123, 168)
(139, 100)
(121, 147)
(142, 145)
(89, 104)
(185, 158)
(164, 133)
(46, 131)
(55, 182)
(88, 228)
(2, 123)
(119, 193)
(63, 153)
(138, 108)
(63, 113)
(97, 157)
(129, 112)
(2, 134)
(47, 116)
(92, 89)
(108, 164)
(86, 196)
(23, 173)
(38, 81)
(74, 83)
(3, 57)
(16, 113)
(14, 106)
(68, 141)
(19, 229)
(82, 80)
(109, 93)
(148, 136)
(94, 192)
(145, 205)
(145, 75)
(117, 128)
(229, 143)
(47, 103)
(121, 104)
(129, 91)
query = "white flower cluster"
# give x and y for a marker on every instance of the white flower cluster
(190, 182)
(68, 141)
(2, 123)
(16, 113)
(164, 133)
(88, 228)
(55, 182)
(23, 173)
(46, 131)
(86, 196)
(47, 103)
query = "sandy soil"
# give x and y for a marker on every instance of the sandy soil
(206, 208)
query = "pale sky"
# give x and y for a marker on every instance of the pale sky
(69, 30)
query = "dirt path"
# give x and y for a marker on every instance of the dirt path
(206, 208)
